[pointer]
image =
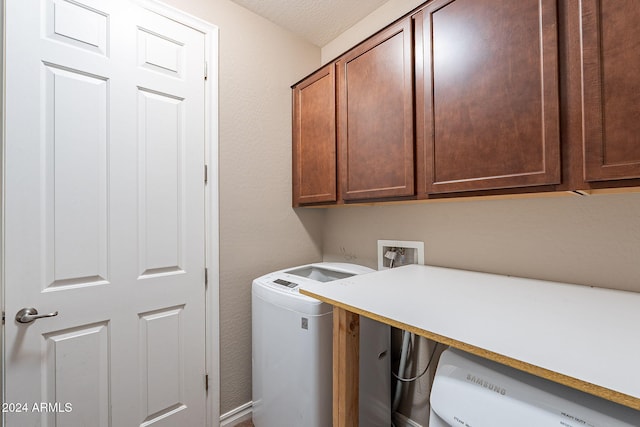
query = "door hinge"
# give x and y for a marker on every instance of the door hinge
(206, 70)
(206, 174)
(3, 317)
(206, 276)
(206, 382)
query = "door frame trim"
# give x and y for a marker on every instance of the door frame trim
(2, 192)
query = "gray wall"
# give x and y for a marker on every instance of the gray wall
(587, 240)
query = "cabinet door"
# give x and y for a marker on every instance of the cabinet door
(487, 95)
(375, 116)
(611, 86)
(314, 138)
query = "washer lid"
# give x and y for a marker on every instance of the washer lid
(471, 391)
(288, 281)
(319, 273)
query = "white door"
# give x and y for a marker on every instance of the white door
(104, 216)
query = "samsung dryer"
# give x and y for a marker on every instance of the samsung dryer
(475, 392)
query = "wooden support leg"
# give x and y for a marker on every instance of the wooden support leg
(346, 355)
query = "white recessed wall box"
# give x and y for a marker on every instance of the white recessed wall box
(396, 253)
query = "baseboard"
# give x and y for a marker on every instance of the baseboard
(401, 421)
(236, 416)
(243, 413)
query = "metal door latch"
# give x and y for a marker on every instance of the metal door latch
(28, 315)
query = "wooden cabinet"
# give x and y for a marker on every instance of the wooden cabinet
(611, 87)
(487, 95)
(375, 116)
(314, 138)
(475, 97)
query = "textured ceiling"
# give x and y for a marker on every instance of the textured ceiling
(318, 21)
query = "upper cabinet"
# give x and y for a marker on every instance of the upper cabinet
(611, 87)
(314, 138)
(475, 97)
(487, 95)
(375, 116)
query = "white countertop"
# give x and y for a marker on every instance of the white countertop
(580, 332)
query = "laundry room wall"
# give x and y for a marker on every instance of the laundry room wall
(259, 231)
(590, 240)
(372, 23)
(586, 240)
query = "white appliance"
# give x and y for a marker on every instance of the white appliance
(475, 392)
(292, 352)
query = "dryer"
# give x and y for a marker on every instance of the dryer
(475, 392)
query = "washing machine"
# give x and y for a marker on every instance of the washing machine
(292, 352)
(475, 392)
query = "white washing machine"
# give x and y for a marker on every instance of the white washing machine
(475, 392)
(292, 352)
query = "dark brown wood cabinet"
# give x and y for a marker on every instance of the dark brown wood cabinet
(314, 138)
(375, 116)
(611, 89)
(487, 95)
(472, 98)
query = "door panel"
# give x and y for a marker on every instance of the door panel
(78, 25)
(161, 182)
(75, 177)
(104, 215)
(162, 358)
(77, 372)
(488, 95)
(611, 52)
(314, 138)
(159, 53)
(375, 116)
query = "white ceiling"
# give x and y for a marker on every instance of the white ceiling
(318, 21)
